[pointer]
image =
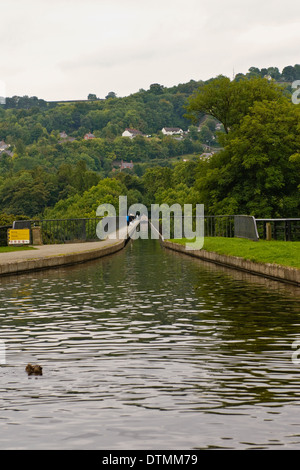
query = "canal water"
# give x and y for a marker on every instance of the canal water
(149, 349)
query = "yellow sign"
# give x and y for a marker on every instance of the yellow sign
(18, 237)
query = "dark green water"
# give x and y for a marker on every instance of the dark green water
(148, 349)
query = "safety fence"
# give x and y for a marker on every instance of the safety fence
(55, 231)
(243, 226)
(279, 229)
(212, 226)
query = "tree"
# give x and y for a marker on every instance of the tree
(155, 179)
(213, 99)
(205, 135)
(193, 132)
(274, 73)
(156, 88)
(107, 191)
(92, 97)
(185, 172)
(229, 101)
(253, 72)
(258, 171)
(20, 147)
(239, 76)
(27, 193)
(180, 194)
(289, 73)
(263, 72)
(111, 94)
(297, 71)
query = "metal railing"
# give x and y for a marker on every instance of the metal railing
(56, 231)
(281, 229)
(214, 226)
(59, 231)
(67, 230)
(217, 226)
(244, 226)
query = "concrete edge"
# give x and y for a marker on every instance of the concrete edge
(270, 271)
(47, 262)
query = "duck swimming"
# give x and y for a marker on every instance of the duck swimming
(34, 370)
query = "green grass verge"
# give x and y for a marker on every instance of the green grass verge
(7, 249)
(274, 252)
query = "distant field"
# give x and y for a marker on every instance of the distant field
(7, 249)
(274, 252)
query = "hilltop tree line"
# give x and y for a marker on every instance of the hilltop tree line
(289, 73)
(33, 130)
(147, 110)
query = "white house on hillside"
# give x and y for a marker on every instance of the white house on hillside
(131, 133)
(65, 138)
(3, 146)
(172, 130)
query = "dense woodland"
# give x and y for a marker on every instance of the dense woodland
(250, 125)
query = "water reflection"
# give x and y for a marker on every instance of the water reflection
(148, 349)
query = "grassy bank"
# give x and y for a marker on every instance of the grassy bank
(7, 249)
(274, 252)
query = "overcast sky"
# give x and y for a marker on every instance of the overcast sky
(66, 49)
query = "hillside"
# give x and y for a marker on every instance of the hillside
(53, 151)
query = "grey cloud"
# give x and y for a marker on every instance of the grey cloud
(83, 43)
